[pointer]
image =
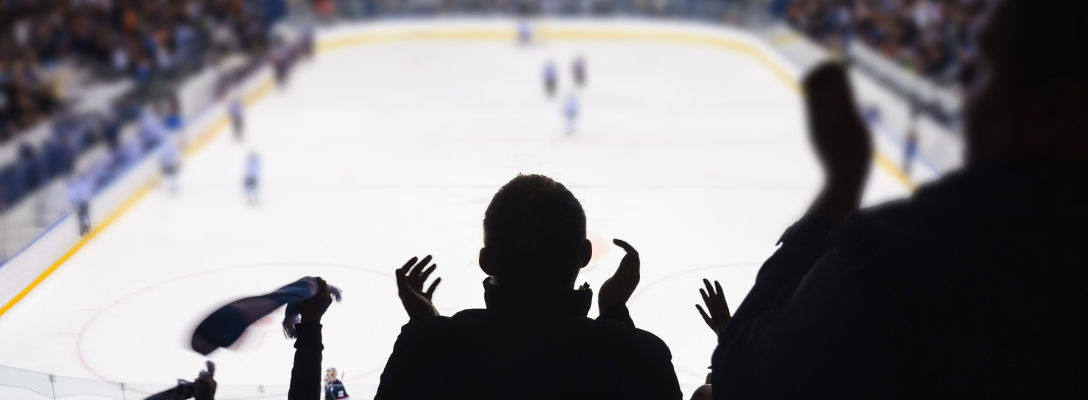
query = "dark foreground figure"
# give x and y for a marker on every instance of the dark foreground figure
(972, 288)
(534, 340)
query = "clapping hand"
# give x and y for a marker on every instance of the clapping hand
(841, 140)
(619, 288)
(410, 280)
(715, 303)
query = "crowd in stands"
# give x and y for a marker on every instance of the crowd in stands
(139, 39)
(933, 37)
(152, 43)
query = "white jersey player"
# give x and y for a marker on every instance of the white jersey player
(570, 110)
(253, 175)
(171, 162)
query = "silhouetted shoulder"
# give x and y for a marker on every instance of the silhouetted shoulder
(626, 337)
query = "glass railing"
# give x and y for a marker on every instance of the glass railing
(20, 384)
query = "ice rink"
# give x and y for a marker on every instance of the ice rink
(375, 154)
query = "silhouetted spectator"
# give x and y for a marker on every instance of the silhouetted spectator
(203, 388)
(306, 372)
(973, 287)
(533, 340)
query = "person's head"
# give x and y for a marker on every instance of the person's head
(330, 375)
(534, 235)
(1028, 95)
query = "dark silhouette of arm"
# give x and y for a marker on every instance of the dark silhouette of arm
(306, 373)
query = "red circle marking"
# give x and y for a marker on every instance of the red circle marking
(79, 337)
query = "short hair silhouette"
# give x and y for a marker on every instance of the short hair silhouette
(534, 233)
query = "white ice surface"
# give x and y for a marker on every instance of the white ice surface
(698, 157)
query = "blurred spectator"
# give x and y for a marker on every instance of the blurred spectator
(140, 39)
(973, 287)
(933, 37)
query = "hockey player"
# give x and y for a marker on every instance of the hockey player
(910, 145)
(334, 389)
(578, 69)
(570, 109)
(551, 79)
(237, 117)
(525, 33)
(171, 162)
(79, 195)
(152, 129)
(253, 174)
(282, 61)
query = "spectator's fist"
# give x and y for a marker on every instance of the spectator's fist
(205, 388)
(841, 139)
(410, 280)
(714, 298)
(619, 288)
(205, 383)
(313, 308)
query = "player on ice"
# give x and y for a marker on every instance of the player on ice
(334, 390)
(171, 162)
(910, 145)
(570, 110)
(578, 70)
(551, 79)
(525, 33)
(253, 174)
(237, 117)
(79, 195)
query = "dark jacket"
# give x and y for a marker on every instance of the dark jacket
(335, 390)
(529, 347)
(975, 287)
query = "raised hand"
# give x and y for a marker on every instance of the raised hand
(841, 140)
(619, 288)
(313, 308)
(410, 280)
(715, 303)
(205, 384)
